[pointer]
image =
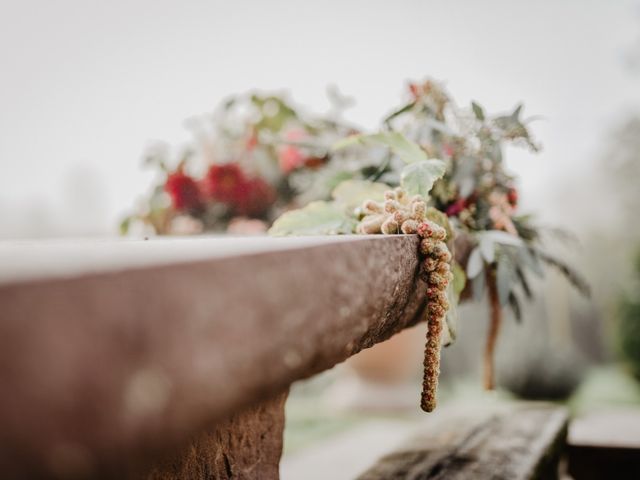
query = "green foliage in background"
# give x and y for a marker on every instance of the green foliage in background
(629, 324)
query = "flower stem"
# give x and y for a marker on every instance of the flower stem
(495, 311)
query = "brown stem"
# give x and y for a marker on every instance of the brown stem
(494, 327)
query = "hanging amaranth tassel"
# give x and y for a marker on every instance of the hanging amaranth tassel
(401, 214)
(436, 272)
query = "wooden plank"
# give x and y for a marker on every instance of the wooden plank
(109, 364)
(514, 442)
(603, 442)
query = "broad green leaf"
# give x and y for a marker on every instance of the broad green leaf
(418, 178)
(459, 278)
(407, 150)
(451, 317)
(477, 111)
(475, 264)
(317, 218)
(350, 194)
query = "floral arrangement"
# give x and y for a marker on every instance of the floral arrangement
(261, 162)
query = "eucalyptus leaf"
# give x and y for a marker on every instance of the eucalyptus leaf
(477, 111)
(524, 282)
(418, 178)
(528, 258)
(504, 238)
(475, 265)
(576, 279)
(407, 150)
(487, 248)
(350, 194)
(505, 277)
(515, 306)
(478, 286)
(317, 218)
(399, 112)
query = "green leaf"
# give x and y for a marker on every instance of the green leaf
(407, 150)
(124, 225)
(505, 277)
(317, 218)
(574, 278)
(475, 264)
(418, 178)
(453, 291)
(487, 248)
(477, 111)
(399, 112)
(504, 238)
(459, 278)
(350, 194)
(451, 317)
(478, 285)
(515, 306)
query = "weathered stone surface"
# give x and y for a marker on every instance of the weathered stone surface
(116, 365)
(246, 446)
(521, 442)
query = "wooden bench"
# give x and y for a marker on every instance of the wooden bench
(172, 359)
(510, 442)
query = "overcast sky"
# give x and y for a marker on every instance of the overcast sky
(85, 85)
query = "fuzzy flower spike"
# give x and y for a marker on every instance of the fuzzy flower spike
(399, 213)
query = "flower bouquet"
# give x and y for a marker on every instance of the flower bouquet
(260, 163)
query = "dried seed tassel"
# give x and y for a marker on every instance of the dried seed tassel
(400, 214)
(436, 272)
(431, 363)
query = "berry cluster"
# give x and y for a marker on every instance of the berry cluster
(401, 214)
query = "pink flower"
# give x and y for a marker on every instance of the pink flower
(290, 157)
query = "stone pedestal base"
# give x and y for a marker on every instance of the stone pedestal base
(246, 446)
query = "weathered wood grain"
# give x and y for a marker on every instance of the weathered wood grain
(107, 366)
(513, 443)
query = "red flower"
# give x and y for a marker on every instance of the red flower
(225, 183)
(456, 207)
(245, 196)
(184, 191)
(257, 196)
(512, 196)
